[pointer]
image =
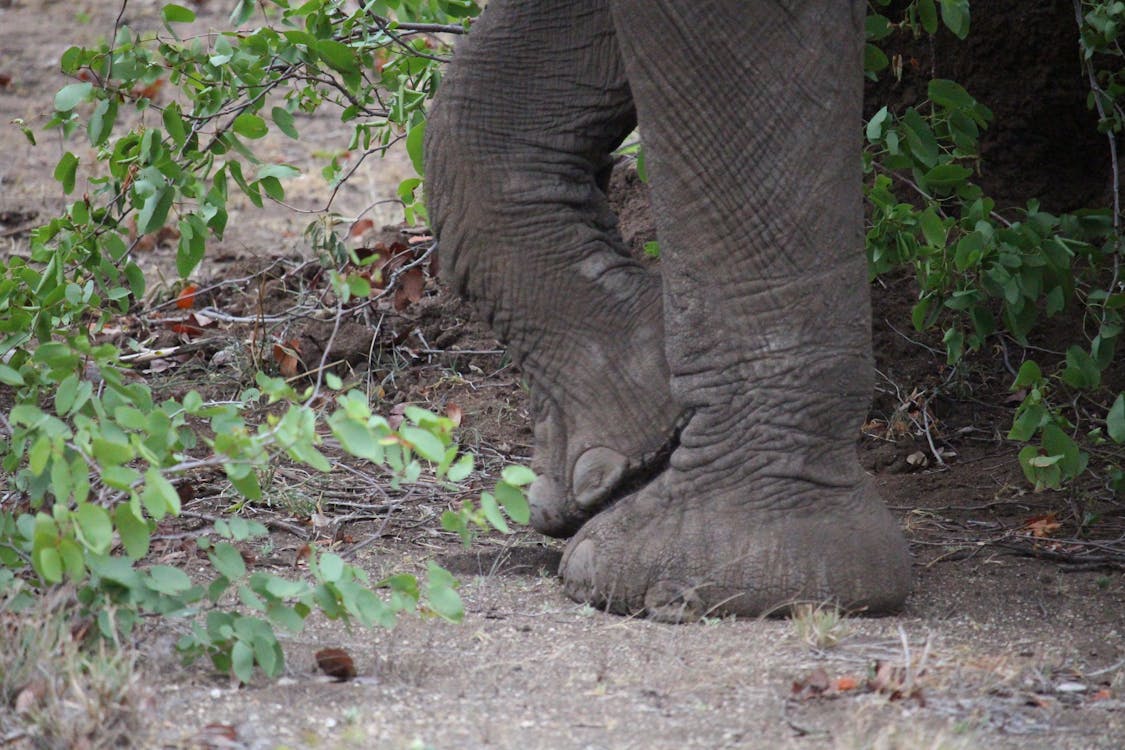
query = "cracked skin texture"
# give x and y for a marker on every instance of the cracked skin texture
(694, 430)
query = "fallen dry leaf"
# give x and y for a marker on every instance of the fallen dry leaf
(288, 357)
(150, 91)
(30, 696)
(394, 419)
(895, 682)
(1042, 525)
(814, 684)
(335, 662)
(411, 285)
(186, 492)
(215, 735)
(185, 300)
(302, 556)
(361, 226)
(190, 326)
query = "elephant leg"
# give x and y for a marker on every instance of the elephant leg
(521, 133)
(750, 113)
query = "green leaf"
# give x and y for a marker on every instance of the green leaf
(242, 12)
(228, 561)
(874, 59)
(442, 595)
(1026, 455)
(920, 138)
(282, 588)
(339, 56)
(111, 452)
(945, 177)
(154, 212)
(73, 559)
(136, 278)
(70, 96)
(65, 172)
(955, 16)
(246, 483)
(414, 140)
(48, 564)
(286, 617)
(1115, 420)
(927, 14)
(969, 251)
(168, 580)
(159, 496)
(95, 526)
(1056, 301)
(1081, 369)
(272, 187)
(283, 119)
(517, 476)
(8, 376)
(242, 661)
(933, 228)
(250, 126)
(1027, 422)
(950, 94)
(66, 394)
(174, 123)
(278, 171)
(177, 14)
(101, 121)
(134, 531)
(331, 567)
(356, 438)
(425, 443)
(492, 512)
(1042, 462)
(877, 27)
(1029, 375)
(461, 468)
(1058, 443)
(920, 312)
(876, 123)
(514, 502)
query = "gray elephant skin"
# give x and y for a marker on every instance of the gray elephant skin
(694, 429)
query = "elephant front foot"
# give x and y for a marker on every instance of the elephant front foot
(675, 553)
(587, 457)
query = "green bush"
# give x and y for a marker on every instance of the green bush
(90, 451)
(983, 272)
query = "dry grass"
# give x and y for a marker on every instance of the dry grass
(59, 688)
(820, 626)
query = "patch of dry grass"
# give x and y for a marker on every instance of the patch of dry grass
(58, 687)
(820, 626)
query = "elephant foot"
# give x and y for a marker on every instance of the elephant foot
(586, 459)
(674, 553)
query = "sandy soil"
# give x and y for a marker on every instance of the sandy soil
(996, 648)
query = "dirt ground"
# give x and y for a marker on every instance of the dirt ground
(1002, 645)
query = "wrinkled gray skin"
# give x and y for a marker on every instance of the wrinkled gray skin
(695, 434)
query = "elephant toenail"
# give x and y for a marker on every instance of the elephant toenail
(546, 506)
(596, 473)
(577, 567)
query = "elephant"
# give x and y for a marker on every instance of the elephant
(694, 427)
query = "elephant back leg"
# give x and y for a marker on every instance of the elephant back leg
(524, 125)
